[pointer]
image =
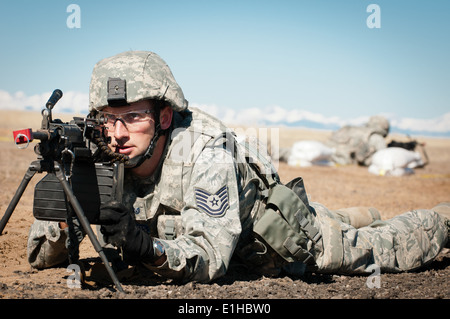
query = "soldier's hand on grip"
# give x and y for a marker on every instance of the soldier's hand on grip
(119, 229)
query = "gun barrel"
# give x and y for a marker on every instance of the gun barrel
(41, 135)
(27, 135)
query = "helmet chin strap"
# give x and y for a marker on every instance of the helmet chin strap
(138, 160)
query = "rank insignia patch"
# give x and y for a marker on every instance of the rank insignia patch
(214, 205)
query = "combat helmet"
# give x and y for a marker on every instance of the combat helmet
(132, 76)
(379, 124)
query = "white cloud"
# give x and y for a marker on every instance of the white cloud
(74, 102)
(439, 124)
(274, 115)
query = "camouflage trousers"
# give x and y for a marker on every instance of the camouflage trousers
(405, 242)
(47, 244)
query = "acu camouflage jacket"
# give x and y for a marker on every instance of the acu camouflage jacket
(202, 200)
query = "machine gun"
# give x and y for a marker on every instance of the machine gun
(66, 153)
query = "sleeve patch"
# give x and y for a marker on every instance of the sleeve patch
(214, 205)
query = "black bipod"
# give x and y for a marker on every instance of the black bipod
(55, 168)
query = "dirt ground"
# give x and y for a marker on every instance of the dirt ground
(335, 187)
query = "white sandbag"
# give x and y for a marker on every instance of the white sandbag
(395, 161)
(307, 153)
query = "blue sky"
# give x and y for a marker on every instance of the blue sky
(316, 57)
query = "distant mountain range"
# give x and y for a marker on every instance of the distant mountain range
(333, 127)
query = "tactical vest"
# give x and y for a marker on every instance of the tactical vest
(277, 221)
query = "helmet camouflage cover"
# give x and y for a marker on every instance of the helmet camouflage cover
(144, 75)
(379, 124)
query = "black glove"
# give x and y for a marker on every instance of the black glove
(119, 229)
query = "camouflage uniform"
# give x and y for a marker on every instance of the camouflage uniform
(405, 242)
(357, 144)
(208, 196)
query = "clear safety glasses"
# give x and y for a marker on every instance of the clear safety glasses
(132, 119)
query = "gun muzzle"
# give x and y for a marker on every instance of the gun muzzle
(27, 135)
(23, 136)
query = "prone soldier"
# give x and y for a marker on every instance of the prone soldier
(357, 144)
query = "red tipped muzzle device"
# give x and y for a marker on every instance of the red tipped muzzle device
(22, 137)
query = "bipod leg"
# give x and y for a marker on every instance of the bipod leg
(86, 225)
(425, 155)
(19, 192)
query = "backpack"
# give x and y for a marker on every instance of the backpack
(284, 229)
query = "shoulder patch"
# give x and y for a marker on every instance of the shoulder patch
(214, 205)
